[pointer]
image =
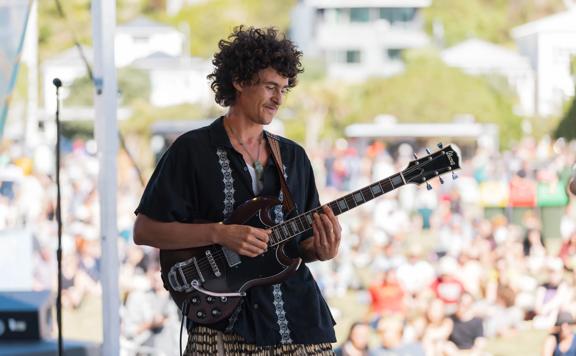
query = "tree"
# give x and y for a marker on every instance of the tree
(567, 126)
(427, 91)
(490, 20)
(133, 84)
(210, 21)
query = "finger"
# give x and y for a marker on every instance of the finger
(261, 234)
(328, 227)
(315, 232)
(322, 231)
(335, 223)
(256, 242)
(250, 250)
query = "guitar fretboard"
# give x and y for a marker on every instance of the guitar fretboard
(303, 222)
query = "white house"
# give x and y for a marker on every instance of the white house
(359, 38)
(550, 44)
(141, 37)
(176, 80)
(175, 77)
(477, 57)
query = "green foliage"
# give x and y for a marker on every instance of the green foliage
(490, 20)
(133, 84)
(57, 34)
(428, 91)
(78, 129)
(80, 93)
(145, 115)
(567, 127)
(210, 21)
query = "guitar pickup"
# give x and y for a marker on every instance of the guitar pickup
(232, 258)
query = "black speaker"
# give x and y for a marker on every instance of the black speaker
(25, 315)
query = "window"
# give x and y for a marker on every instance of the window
(360, 14)
(338, 16)
(394, 54)
(353, 56)
(345, 56)
(397, 15)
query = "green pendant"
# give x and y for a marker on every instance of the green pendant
(259, 169)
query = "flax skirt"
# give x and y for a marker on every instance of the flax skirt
(205, 341)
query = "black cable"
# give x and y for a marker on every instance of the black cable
(184, 318)
(58, 84)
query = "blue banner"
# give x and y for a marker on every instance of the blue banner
(14, 16)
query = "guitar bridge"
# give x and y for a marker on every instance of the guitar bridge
(177, 275)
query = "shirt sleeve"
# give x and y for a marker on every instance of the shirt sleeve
(311, 201)
(168, 196)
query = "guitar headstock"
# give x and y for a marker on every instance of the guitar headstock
(433, 165)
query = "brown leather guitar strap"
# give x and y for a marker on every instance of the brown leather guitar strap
(287, 202)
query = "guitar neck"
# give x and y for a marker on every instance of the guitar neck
(303, 222)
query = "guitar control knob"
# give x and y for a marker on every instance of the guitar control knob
(200, 314)
(195, 300)
(216, 312)
(209, 299)
(223, 299)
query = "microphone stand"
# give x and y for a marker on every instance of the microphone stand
(57, 83)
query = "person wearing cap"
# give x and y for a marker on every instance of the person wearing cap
(561, 340)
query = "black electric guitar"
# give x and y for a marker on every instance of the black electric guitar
(209, 282)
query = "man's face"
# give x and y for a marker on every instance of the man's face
(260, 101)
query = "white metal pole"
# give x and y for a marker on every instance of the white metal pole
(106, 130)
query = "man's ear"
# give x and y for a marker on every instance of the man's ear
(239, 87)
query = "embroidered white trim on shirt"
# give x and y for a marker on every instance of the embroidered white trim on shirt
(228, 182)
(228, 209)
(281, 315)
(277, 291)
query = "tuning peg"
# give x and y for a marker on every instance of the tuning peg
(414, 154)
(441, 180)
(428, 151)
(440, 145)
(454, 175)
(428, 186)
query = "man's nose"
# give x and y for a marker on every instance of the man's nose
(278, 96)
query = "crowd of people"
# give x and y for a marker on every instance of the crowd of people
(436, 272)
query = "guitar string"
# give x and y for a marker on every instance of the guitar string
(219, 254)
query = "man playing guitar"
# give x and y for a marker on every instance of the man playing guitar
(208, 173)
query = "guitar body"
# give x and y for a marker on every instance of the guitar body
(209, 282)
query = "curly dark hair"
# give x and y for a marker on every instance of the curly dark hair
(247, 51)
